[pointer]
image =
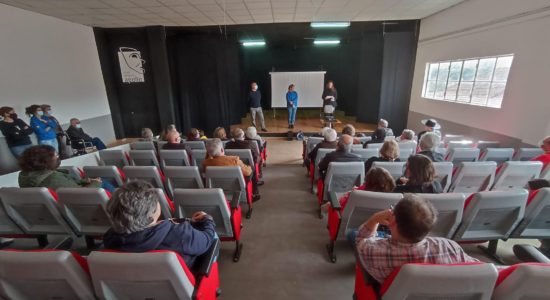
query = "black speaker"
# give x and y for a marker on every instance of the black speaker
(290, 135)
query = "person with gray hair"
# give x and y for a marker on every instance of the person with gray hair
(383, 124)
(329, 142)
(251, 134)
(428, 146)
(342, 154)
(238, 142)
(146, 135)
(407, 137)
(135, 210)
(350, 130)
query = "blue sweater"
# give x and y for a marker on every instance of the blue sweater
(292, 99)
(44, 131)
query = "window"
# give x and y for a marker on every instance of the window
(474, 81)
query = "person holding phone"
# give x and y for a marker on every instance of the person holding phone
(291, 105)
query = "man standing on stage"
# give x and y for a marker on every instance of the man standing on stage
(292, 105)
(255, 104)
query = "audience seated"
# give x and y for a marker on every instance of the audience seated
(378, 136)
(545, 157)
(173, 139)
(428, 143)
(419, 177)
(406, 138)
(350, 130)
(388, 152)
(383, 124)
(147, 135)
(342, 154)
(329, 142)
(39, 169)
(194, 135)
(430, 125)
(252, 135)
(134, 211)
(15, 130)
(75, 132)
(238, 142)
(59, 133)
(409, 222)
(168, 128)
(219, 133)
(202, 135)
(44, 129)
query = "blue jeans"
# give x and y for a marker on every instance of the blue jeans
(18, 150)
(292, 115)
(52, 142)
(98, 143)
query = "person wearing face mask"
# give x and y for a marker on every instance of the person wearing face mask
(59, 133)
(15, 130)
(75, 132)
(255, 104)
(43, 128)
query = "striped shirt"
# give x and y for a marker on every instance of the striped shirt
(380, 256)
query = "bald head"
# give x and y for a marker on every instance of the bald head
(345, 143)
(173, 136)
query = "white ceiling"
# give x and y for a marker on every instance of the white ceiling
(133, 13)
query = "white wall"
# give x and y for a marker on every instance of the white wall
(477, 28)
(48, 60)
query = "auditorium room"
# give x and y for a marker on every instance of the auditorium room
(274, 149)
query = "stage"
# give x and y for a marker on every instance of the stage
(307, 120)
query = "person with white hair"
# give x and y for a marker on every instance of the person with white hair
(251, 134)
(238, 142)
(342, 154)
(428, 145)
(383, 124)
(407, 138)
(329, 142)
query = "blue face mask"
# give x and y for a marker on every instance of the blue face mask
(41, 113)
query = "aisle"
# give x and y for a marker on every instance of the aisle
(284, 254)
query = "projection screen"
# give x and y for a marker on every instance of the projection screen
(309, 86)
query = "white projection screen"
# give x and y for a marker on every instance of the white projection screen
(309, 86)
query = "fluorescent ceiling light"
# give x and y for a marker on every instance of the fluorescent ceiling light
(253, 43)
(326, 42)
(329, 24)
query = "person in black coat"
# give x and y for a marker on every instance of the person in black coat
(330, 95)
(419, 177)
(15, 130)
(75, 132)
(389, 152)
(378, 136)
(328, 143)
(239, 142)
(342, 154)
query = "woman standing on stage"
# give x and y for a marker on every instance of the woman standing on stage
(330, 95)
(291, 105)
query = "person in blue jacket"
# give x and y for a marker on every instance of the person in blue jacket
(44, 128)
(291, 105)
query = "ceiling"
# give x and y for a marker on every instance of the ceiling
(134, 13)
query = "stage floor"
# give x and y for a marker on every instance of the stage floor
(307, 121)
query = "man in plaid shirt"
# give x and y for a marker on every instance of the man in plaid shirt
(410, 222)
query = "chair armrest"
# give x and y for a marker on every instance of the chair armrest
(235, 200)
(204, 263)
(334, 202)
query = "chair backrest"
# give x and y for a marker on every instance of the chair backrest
(524, 154)
(364, 139)
(166, 204)
(498, 155)
(112, 174)
(183, 178)
(44, 274)
(152, 275)
(404, 153)
(408, 145)
(229, 179)
(7, 226)
(321, 153)
(452, 137)
(482, 145)
(491, 215)
(254, 144)
(444, 173)
(389, 138)
(522, 282)
(458, 281)
(244, 154)
(195, 145)
(516, 174)
(536, 221)
(197, 156)
(74, 172)
(375, 145)
(211, 201)
(143, 145)
(34, 210)
(396, 168)
(343, 176)
(160, 144)
(449, 212)
(116, 158)
(365, 153)
(176, 158)
(361, 206)
(356, 146)
(150, 174)
(460, 144)
(144, 158)
(458, 155)
(545, 174)
(85, 209)
(312, 142)
(471, 177)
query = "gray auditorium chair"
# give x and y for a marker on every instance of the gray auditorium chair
(527, 281)
(321, 153)
(365, 153)
(374, 145)
(7, 226)
(44, 274)
(498, 155)
(458, 155)
(116, 158)
(312, 142)
(404, 153)
(143, 145)
(443, 173)
(173, 158)
(244, 154)
(86, 211)
(482, 145)
(340, 177)
(460, 144)
(166, 204)
(356, 147)
(197, 156)
(452, 137)
(75, 172)
(545, 174)
(491, 216)
(364, 139)
(200, 145)
(515, 175)
(471, 177)
(408, 145)
(396, 168)
(112, 174)
(231, 181)
(144, 158)
(150, 174)
(536, 221)
(183, 178)
(450, 207)
(524, 154)
(160, 145)
(441, 150)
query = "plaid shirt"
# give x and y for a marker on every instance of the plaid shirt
(380, 256)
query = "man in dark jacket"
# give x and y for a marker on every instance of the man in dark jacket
(255, 104)
(135, 209)
(239, 142)
(329, 142)
(428, 146)
(342, 154)
(76, 132)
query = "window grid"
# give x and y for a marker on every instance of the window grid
(489, 96)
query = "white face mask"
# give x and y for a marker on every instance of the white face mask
(41, 113)
(49, 113)
(78, 126)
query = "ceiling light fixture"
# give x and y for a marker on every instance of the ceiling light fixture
(329, 24)
(326, 42)
(253, 43)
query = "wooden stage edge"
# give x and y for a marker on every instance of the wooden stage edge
(307, 121)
